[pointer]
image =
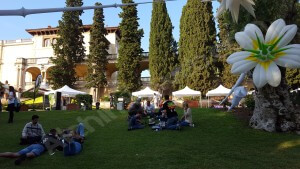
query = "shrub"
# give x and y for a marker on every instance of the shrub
(30, 95)
(249, 102)
(105, 98)
(295, 96)
(86, 99)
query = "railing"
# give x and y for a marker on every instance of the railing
(31, 60)
(30, 83)
(145, 55)
(17, 41)
(145, 79)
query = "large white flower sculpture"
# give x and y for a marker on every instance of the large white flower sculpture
(264, 54)
(234, 7)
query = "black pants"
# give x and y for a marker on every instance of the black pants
(30, 140)
(10, 109)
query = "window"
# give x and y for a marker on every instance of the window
(54, 41)
(47, 42)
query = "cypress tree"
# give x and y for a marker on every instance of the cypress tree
(97, 59)
(162, 59)
(197, 46)
(69, 48)
(129, 76)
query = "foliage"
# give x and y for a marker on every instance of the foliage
(69, 49)
(97, 59)
(249, 102)
(129, 77)
(28, 94)
(86, 99)
(37, 100)
(105, 98)
(162, 48)
(197, 47)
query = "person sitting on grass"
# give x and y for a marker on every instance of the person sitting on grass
(32, 132)
(149, 109)
(135, 108)
(169, 109)
(73, 140)
(186, 119)
(49, 142)
(135, 122)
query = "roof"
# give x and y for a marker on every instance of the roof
(186, 92)
(53, 30)
(147, 92)
(219, 91)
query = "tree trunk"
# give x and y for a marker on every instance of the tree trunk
(274, 110)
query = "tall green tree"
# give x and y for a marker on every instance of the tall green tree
(69, 48)
(97, 59)
(197, 47)
(129, 75)
(162, 57)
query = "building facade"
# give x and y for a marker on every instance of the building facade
(21, 61)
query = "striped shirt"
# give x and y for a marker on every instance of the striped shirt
(33, 130)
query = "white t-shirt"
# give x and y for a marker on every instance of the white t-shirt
(11, 98)
(188, 115)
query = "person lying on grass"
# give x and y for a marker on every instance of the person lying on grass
(49, 142)
(32, 132)
(73, 140)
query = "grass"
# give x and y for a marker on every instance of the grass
(218, 141)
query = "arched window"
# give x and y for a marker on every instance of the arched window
(47, 42)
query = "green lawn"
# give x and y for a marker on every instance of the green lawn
(219, 140)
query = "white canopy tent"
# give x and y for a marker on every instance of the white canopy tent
(66, 91)
(187, 92)
(219, 91)
(147, 92)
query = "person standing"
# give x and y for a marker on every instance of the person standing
(1, 97)
(11, 103)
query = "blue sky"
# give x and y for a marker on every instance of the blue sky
(13, 27)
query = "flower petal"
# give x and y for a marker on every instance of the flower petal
(238, 56)
(259, 76)
(235, 10)
(292, 49)
(221, 9)
(273, 75)
(289, 60)
(252, 30)
(244, 40)
(289, 33)
(242, 66)
(274, 30)
(247, 4)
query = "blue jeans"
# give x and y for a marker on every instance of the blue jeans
(184, 123)
(172, 123)
(37, 149)
(80, 129)
(72, 148)
(133, 124)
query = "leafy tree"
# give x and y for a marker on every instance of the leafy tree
(197, 47)
(69, 48)
(97, 59)
(162, 49)
(129, 77)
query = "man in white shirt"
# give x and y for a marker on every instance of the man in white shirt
(149, 109)
(32, 132)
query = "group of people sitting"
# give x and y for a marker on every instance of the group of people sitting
(69, 141)
(166, 115)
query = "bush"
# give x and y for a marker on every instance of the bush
(30, 95)
(249, 102)
(125, 95)
(105, 98)
(35, 106)
(86, 99)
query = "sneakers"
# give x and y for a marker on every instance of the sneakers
(19, 160)
(192, 125)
